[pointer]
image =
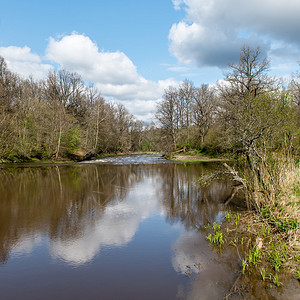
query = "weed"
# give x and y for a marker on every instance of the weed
(209, 238)
(236, 218)
(296, 190)
(277, 256)
(216, 226)
(265, 212)
(285, 225)
(297, 273)
(263, 274)
(276, 280)
(228, 216)
(218, 238)
(244, 265)
(235, 240)
(254, 257)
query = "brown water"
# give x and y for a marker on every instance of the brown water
(125, 228)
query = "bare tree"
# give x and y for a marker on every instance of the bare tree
(167, 116)
(295, 93)
(186, 96)
(204, 110)
(249, 75)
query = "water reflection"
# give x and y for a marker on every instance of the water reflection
(80, 212)
(184, 201)
(62, 203)
(212, 275)
(84, 208)
(116, 227)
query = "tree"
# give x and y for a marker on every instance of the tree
(249, 75)
(136, 134)
(204, 110)
(252, 114)
(167, 116)
(295, 93)
(246, 80)
(64, 93)
(185, 97)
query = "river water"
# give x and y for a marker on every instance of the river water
(127, 227)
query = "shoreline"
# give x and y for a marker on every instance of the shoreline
(197, 158)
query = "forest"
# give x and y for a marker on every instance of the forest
(62, 118)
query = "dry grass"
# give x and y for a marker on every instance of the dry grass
(273, 231)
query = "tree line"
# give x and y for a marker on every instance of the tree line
(61, 117)
(247, 110)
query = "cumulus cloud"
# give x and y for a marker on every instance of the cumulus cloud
(214, 31)
(113, 73)
(22, 61)
(79, 53)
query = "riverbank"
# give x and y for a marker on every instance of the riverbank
(195, 156)
(267, 239)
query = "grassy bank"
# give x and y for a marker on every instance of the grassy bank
(195, 156)
(267, 239)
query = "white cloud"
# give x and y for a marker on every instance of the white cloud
(80, 54)
(20, 54)
(177, 4)
(113, 73)
(22, 61)
(213, 32)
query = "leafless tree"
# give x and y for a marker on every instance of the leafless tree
(167, 116)
(204, 110)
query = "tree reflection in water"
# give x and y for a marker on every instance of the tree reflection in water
(66, 204)
(185, 201)
(57, 201)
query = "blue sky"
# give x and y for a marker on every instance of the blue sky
(134, 49)
(137, 28)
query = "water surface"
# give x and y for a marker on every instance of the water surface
(124, 228)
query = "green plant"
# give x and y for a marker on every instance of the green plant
(296, 189)
(71, 140)
(244, 265)
(209, 237)
(263, 274)
(285, 225)
(228, 216)
(276, 280)
(277, 256)
(236, 218)
(254, 256)
(216, 226)
(218, 238)
(297, 273)
(265, 212)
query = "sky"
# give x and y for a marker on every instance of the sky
(132, 50)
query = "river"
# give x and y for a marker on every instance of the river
(130, 227)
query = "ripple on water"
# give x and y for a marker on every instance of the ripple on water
(143, 159)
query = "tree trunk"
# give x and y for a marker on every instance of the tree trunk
(59, 138)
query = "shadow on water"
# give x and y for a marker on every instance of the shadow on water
(136, 228)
